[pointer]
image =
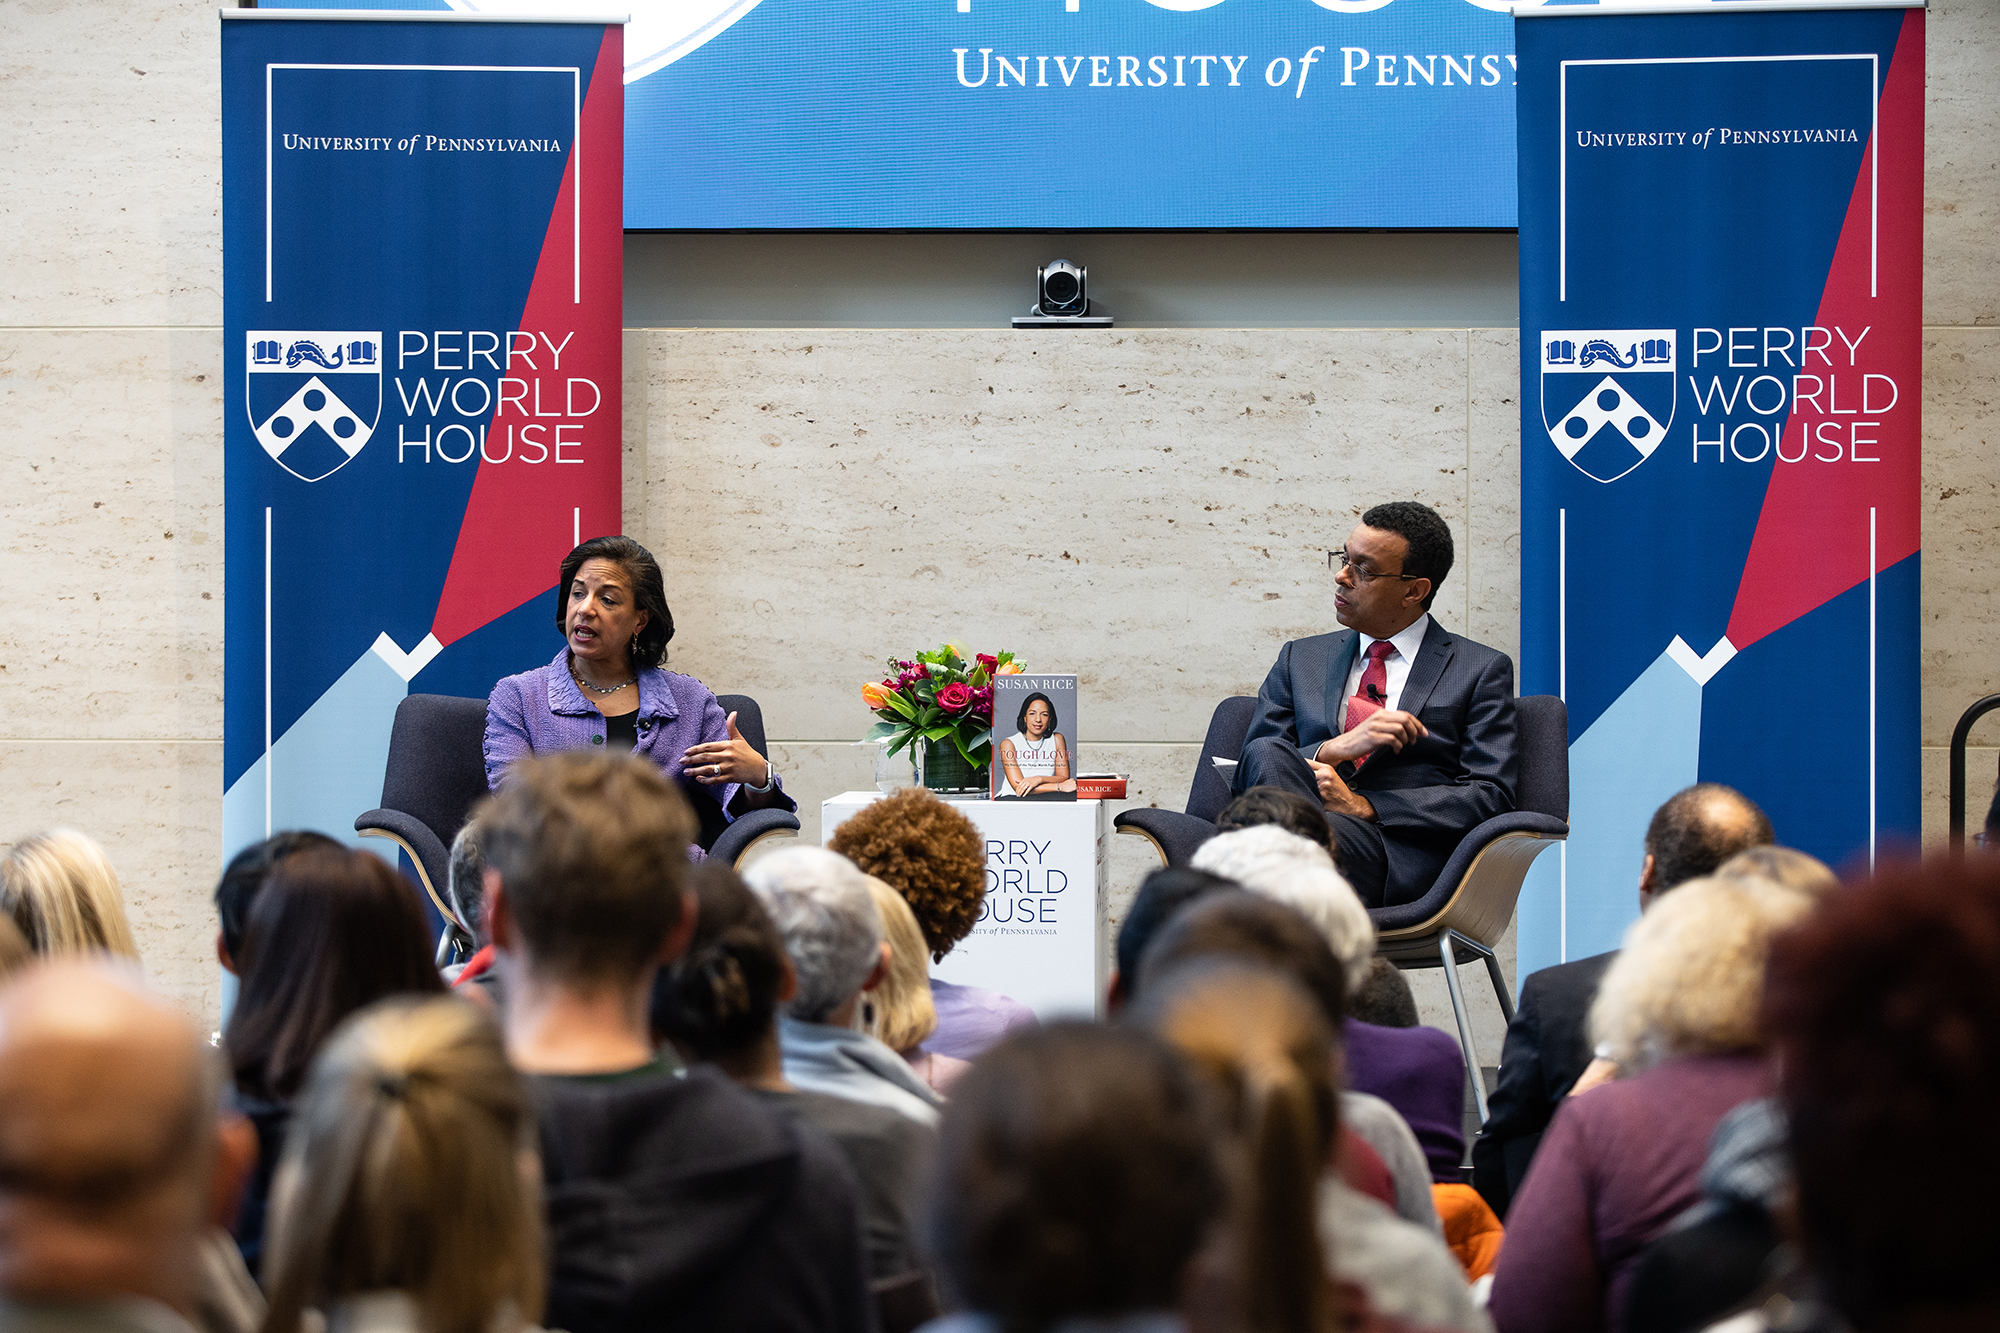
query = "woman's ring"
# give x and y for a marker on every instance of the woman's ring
(714, 770)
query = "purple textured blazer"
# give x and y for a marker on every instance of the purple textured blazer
(542, 711)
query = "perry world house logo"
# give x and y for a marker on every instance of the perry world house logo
(314, 396)
(1607, 396)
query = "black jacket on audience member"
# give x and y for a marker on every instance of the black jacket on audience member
(680, 1203)
(1548, 1048)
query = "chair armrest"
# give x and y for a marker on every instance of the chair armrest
(1174, 834)
(1524, 826)
(426, 849)
(748, 828)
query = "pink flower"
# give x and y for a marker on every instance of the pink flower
(954, 698)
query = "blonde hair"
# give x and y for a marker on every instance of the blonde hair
(903, 1012)
(408, 1168)
(63, 895)
(14, 950)
(1265, 1043)
(1280, 865)
(1691, 974)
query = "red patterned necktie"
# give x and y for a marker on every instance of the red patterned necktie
(1374, 686)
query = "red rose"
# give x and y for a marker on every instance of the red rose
(988, 661)
(955, 698)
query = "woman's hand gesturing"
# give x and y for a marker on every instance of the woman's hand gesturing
(718, 763)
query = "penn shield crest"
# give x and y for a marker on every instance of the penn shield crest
(314, 396)
(1608, 396)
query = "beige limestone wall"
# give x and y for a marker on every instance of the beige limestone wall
(822, 497)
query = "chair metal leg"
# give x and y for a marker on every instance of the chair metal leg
(1464, 1024)
(1500, 988)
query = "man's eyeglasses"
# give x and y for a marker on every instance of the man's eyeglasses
(1337, 561)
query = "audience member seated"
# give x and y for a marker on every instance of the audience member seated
(1417, 1070)
(1163, 894)
(331, 931)
(719, 1005)
(1269, 1052)
(14, 951)
(1724, 1248)
(1678, 1013)
(901, 1013)
(1547, 1049)
(672, 1201)
(1287, 809)
(833, 936)
(1384, 997)
(1077, 1181)
(62, 894)
(1403, 1265)
(465, 890)
(1886, 1027)
(114, 1166)
(933, 856)
(405, 1203)
(244, 878)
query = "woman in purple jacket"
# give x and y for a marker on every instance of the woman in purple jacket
(608, 687)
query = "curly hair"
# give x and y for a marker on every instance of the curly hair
(926, 851)
(1886, 1022)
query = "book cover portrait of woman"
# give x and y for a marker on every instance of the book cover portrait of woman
(1034, 761)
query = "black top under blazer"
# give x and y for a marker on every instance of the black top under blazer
(1435, 790)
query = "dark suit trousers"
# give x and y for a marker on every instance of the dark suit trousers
(1271, 761)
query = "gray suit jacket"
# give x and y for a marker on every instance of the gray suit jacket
(1436, 790)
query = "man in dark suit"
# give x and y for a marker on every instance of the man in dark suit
(1548, 1043)
(1402, 730)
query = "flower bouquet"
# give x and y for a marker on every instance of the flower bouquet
(945, 702)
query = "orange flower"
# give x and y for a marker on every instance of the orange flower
(875, 695)
(1009, 669)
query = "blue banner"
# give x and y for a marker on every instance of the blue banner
(422, 268)
(1061, 113)
(1721, 282)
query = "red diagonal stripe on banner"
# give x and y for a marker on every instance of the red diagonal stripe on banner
(520, 518)
(1811, 543)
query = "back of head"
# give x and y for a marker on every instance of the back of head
(465, 879)
(408, 1168)
(592, 856)
(63, 895)
(1886, 1023)
(1265, 1045)
(107, 1134)
(832, 932)
(1384, 997)
(14, 951)
(332, 930)
(1287, 809)
(1075, 1177)
(1782, 866)
(926, 851)
(720, 998)
(904, 1014)
(1163, 894)
(1691, 974)
(1289, 869)
(1256, 932)
(1698, 829)
(244, 879)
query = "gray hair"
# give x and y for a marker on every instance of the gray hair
(1286, 868)
(821, 905)
(465, 881)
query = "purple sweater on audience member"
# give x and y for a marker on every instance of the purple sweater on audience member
(971, 1018)
(1420, 1072)
(1616, 1167)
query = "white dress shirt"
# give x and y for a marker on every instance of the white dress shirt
(1397, 666)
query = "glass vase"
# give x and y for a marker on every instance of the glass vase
(945, 770)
